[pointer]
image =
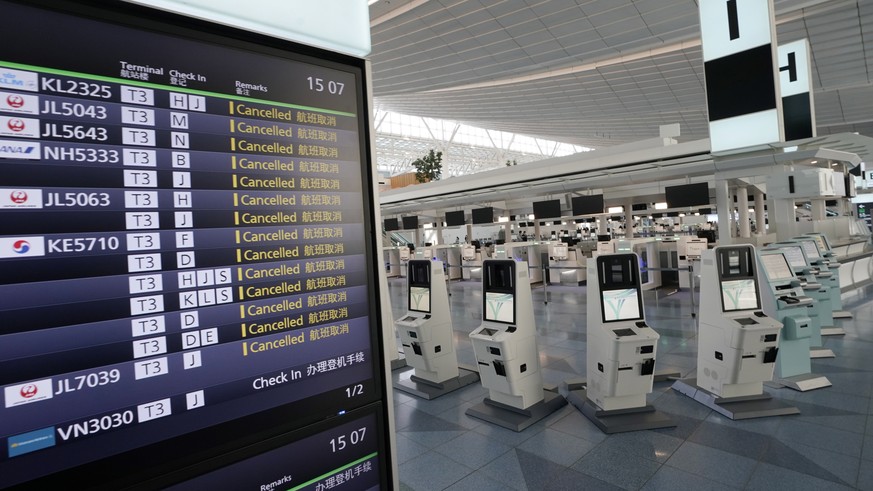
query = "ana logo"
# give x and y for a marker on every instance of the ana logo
(16, 125)
(21, 246)
(18, 197)
(29, 391)
(15, 101)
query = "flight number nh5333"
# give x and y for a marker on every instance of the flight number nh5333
(97, 155)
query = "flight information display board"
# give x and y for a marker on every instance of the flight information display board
(185, 241)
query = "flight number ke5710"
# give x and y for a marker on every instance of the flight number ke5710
(82, 244)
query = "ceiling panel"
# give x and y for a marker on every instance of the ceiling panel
(595, 72)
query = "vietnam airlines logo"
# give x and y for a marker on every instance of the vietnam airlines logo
(18, 197)
(16, 125)
(15, 101)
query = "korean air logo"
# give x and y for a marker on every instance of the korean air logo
(21, 247)
(26, 393)
(15, 101)
(18, 79)
(20, 198)
(14, 247)
(16, 125)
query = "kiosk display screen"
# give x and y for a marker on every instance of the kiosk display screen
(795, 257)
(739, 294)
(499, 307)
(419, 299)
(621, 305)
(188, 258)
(810, 249)
(777, 267)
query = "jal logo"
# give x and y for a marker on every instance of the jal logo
(16, 125)
(15, 101)
(18, 197)
(21, 246)
(29, 391)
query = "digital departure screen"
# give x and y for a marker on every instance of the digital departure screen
(777, 267)
(185, 245)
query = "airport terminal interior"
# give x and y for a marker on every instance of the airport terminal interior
(437, 245)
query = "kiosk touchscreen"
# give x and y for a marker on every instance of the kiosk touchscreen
(783, 299)
(737, 342)
(820, 255)
(621, 349)
(506, 350)
(426, 334)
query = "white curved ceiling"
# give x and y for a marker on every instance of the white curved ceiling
(595, 72)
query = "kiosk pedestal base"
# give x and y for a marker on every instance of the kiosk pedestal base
(513, 418)
(398, 363)
(833, 331)
(620, 420)
(747, 407)
(426, 389)
(819, 352)
(802, 383)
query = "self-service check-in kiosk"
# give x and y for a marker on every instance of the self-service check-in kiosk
(405, 255)
(785, 301)
(737, 342)
(829, 258)
(506, 350)
(426, 335)
(689, 249)
(621, 350)
(471, 262)
(821, 312)
(829, 276)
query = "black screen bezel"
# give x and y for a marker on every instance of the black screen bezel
(195, 452)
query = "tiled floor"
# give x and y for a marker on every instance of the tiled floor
(828, 446)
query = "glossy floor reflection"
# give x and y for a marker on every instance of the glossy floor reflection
(828, 446)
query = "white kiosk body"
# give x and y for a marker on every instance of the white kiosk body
(833, 264)
(505, 344)
(621, 348)
(829, 276)
(427, 336)
(404, 255)
(737, 341)
(783, 299)
(689, 250)
(426, 329)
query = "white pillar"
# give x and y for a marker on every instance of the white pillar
(507, 231)
(743, 207)
(439, 232)
(628, 219)
(601, 224)
(760, 219)
(817, 207)
(470, 237)
(724, 206)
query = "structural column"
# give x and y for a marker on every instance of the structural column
(628, 219)
(470, 237)
(760, 219)
(743, 207)
(724, 205)
(439, 233)
(817, 207)
(601, 225)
